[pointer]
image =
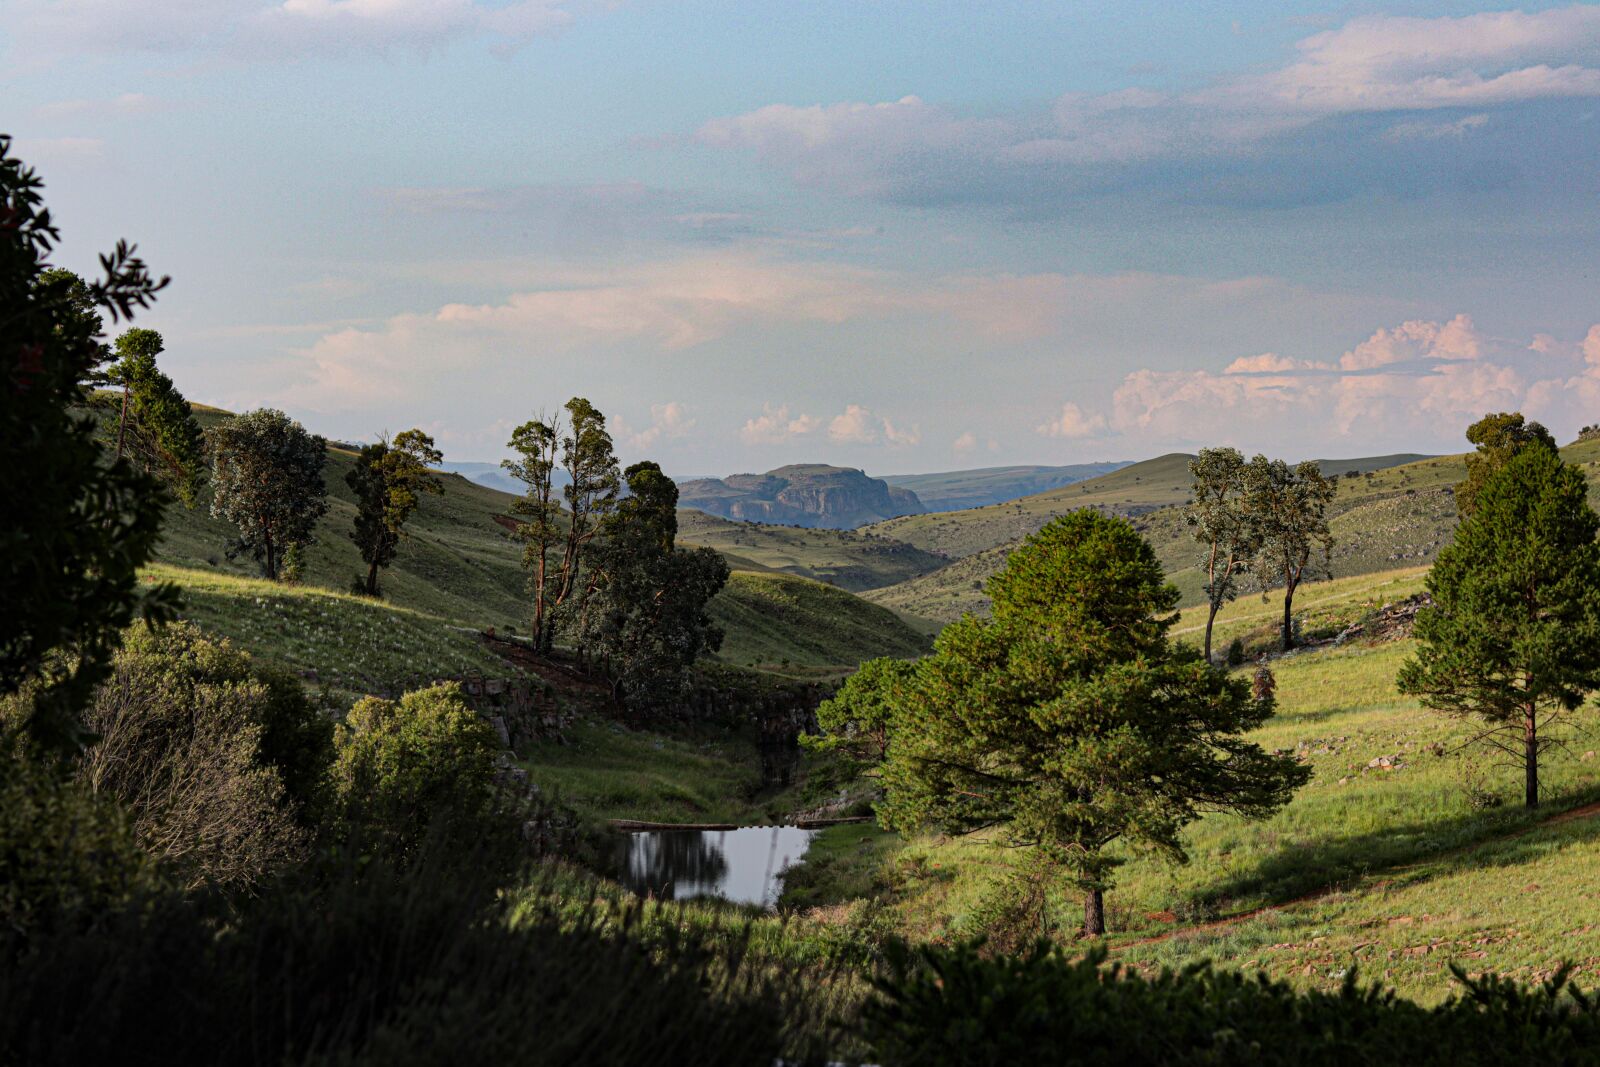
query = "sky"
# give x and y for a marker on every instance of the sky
(898, 236)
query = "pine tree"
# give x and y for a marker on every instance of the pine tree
(1498, 437)
(156, 427)
(1512, 639)
(1068, 720)
(77, 526)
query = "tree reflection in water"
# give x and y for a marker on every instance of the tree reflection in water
(675, 864)
(744, 865)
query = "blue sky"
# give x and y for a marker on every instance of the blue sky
(901, 236)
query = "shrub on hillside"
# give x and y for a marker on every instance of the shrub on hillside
(65, 855)
(215, 760)
(956, 1006)
(427, 761)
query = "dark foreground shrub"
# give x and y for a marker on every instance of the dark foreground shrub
(378, 965)
(219, 764)
(949, 1006)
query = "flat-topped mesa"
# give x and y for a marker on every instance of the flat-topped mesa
(801, 494)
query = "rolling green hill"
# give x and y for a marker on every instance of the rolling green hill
(1384, 517)
(1132, 490)
(459, 568)
(844, 558)
(953, 490)
(781, 622)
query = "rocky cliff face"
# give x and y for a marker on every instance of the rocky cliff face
(803, 494)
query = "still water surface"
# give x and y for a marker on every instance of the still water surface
(743, 865)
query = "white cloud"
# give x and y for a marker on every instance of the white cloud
(1386, 63)
(1074, 422)
(854, 426)
(964, 444)
(774, 426)
(900, 437)
(1434, 131)
(1417, 383)
(668, 422)
(912, 149)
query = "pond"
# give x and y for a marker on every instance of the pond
(744, 866)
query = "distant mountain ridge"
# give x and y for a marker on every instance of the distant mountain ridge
(801, 494)
(956, 490)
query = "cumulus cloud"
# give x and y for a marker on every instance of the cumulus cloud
(1074, 422)
(668, 422)
(774, 426)
(853, 426)
(1416, 383)
(966, 443)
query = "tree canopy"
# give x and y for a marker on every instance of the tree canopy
(1512, 638)
(156, 427)
(386, 479)
(1219, 515)
(1499, 437)
(79, 524)
(644, 610)
(267, 480)
(1069, 721)
(1289, 509)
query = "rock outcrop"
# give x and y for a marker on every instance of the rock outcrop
(803, 494)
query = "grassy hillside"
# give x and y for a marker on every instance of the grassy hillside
(794, 625)
(1132, 490)
(954, 490)
(457, 564)
(1383, 518)
(352, 644)
(843, 558)
(459, 568)
(1397, 871)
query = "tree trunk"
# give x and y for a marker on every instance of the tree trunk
(372, 580)
(1530, 760)
(1094, 912)
(1287, 636)
(271, 561)
(1211, 617)
(122, 421)
(538, 601)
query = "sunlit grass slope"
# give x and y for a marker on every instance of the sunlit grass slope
(778, 621)
(351, 643)
(1384, 517)
(458, 566)
(1407, 868)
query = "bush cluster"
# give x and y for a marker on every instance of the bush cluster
(958, 1006)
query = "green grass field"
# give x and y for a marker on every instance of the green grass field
(782, 623)
(353, 644)
(1407, 872)
(844, 558)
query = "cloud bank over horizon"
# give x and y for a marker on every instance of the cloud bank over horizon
(1045, 237)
